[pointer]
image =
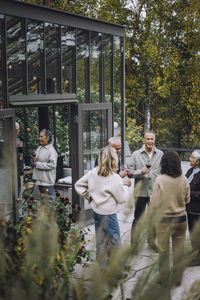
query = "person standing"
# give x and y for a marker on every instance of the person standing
(45, 162)
(171, 193)
(104, 189)
(117, 145)
(19, 159)
(145, 166)
(193, 208)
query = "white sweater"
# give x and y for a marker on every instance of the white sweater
(106, 192)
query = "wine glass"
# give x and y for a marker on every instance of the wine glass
(148, 165)
(129, 172)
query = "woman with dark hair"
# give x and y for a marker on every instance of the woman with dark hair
(104, 189)
(45, 161)
(170, 195)
(193, 208)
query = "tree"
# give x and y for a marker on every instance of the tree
(162, 59)
(158, 57)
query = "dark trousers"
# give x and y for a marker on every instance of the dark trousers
(140, 206)
(192, 220)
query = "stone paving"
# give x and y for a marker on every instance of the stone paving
(146, 258)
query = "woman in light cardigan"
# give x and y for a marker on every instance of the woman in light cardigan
(104, 189)
(171, 193)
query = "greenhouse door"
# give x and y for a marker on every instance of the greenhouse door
(94, 130)
(8, 161)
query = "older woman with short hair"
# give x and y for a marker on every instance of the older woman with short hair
(193, 208)
(104, 189)
(45, 162)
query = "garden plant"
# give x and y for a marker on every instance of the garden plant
(39, 254)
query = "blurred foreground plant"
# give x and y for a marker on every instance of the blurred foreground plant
(37, 259)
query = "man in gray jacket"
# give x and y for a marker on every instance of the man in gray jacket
(145, 165)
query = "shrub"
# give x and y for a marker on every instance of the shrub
(38, 255)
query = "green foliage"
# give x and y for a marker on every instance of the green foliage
(160, 63)
(62, 129)
(134, 134)
(29, 131)
(39, 254)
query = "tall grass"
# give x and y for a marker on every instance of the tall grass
(35, 265)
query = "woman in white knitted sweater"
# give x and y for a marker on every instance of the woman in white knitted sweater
(104, 189)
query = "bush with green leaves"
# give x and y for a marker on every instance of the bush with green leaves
(38, 255)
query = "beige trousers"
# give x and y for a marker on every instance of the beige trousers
(177, 233)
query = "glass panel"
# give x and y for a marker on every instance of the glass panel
(117, 80)
(52, 36)
(61, 113)
(6, 167)
(15, 55)
(95, 136)
(28, 120)
(82, 66)
(107, 52)
(95, 60)
(68, 59)
(1, 65)
(35, 46)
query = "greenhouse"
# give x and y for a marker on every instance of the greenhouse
(62, 72)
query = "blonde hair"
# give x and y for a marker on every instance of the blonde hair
(108, 161)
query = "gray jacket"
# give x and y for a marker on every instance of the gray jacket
(144, 183)
(45, 170)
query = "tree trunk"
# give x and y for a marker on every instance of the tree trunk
(147, 113)
(147, 121)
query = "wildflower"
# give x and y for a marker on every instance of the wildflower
(28, 129)
(62, 199)
(66, 200)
